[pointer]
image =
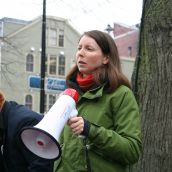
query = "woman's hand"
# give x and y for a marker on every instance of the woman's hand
(76, 124)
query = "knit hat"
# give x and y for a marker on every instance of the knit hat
(2, 99)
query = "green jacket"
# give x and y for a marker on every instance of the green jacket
(114, 137)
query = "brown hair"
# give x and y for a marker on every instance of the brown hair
(110, 72)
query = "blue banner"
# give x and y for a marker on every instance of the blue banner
(51, 84)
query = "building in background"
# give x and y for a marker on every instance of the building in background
(126, 39)
(20, 58)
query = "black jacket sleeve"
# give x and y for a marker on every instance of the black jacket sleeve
(34, 163)
(17, 156)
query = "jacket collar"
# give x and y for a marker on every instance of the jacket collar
(94, 93)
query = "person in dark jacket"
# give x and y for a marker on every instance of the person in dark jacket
(14, 157)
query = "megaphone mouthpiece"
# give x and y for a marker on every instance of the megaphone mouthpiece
(73, 93)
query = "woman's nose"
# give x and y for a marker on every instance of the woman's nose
(81, 52)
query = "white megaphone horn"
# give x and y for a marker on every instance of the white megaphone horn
(42, 139)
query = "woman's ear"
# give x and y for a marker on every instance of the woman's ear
(105, 60)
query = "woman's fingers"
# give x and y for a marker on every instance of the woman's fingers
(76, 124)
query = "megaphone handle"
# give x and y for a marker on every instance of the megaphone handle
(73, 113)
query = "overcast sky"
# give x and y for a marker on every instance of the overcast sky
(83, 15)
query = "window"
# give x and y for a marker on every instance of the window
(52, 37)
(28, 101)
(129, 51)
(46, 64)
(61, 38)
(52, 99)
(45, 103)
(29, 63)
(61, 68)
(52, 65)
(1, 29)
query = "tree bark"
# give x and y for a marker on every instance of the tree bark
(152, 85)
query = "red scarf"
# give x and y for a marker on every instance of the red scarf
(84, 83)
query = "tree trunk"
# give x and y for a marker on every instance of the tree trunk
(152, 85)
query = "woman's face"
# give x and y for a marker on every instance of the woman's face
(89, 55)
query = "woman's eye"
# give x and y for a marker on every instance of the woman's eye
(89, 48)
(86, 48)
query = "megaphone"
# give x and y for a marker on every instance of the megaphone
(42, 139)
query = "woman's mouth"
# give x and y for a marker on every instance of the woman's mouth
(81, 62)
